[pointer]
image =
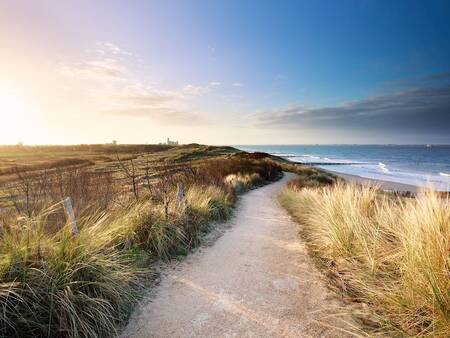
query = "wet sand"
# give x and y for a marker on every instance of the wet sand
(385, 185)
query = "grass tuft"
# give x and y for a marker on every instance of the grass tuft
(388, 252)
(64, 285)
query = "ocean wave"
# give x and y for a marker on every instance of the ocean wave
(383, 167)
(438, 182)
(392, 167)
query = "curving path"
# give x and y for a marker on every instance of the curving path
(255, 281)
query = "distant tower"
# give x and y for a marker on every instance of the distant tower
(114, 142)
(171, 143)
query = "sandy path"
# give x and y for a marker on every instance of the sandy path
(255, 281)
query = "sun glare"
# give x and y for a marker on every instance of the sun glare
(16, 117)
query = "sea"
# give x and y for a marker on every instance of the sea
(419, 165)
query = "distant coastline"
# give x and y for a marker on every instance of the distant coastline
(394, 167)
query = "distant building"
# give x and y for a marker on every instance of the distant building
(114, 142)
(171, 143)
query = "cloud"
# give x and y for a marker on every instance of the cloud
(112, 88)
(160, 115)
(442, 76)
(212, 49)
(434, 79)
(425, 110)
(106, 65)
(198, 90)
(280, 77)
(111, 48)
(161, 106)
(98, 69)
(138, 94)
(237, 84)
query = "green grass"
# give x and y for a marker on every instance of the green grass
(385, 251)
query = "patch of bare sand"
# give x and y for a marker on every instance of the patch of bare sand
(384, 185)
(255, 281)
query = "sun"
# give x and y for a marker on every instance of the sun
(16, 116)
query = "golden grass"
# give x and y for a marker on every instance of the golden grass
(54, 283)
(390, 253)
(241, 183)
(64, 285)
(85, 285)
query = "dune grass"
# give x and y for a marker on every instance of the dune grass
(85, 285)
(61, 284)
(387, 252)
(242, 183)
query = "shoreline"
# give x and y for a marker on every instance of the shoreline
(384, 185)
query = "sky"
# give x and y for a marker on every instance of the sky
(225, 72)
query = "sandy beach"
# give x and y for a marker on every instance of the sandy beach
(385, 185)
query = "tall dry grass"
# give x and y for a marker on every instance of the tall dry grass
(388, 252)
(84, 285)
(55, 283)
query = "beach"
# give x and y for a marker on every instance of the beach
(384, 185)
(392, 167)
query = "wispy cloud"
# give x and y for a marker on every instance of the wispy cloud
(160, 115)
(142, 95)
(196, 90)
(280, 77)
(212, 49)
(160, 106)
(441, 76)
(109, 47)
(237, 84)
(98, 69)
(417, 110)
(118, 91)
(434, 79)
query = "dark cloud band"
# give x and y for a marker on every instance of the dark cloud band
(425, 110)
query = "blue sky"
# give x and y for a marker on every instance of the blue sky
(229, 72)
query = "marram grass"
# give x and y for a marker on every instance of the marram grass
(58, 284)
(390, 253)
(61, 285)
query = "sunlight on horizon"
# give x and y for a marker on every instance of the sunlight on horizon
(17, 117)
(82, 72)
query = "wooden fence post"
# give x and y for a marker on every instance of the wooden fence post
(68, 208)
(180, 194)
